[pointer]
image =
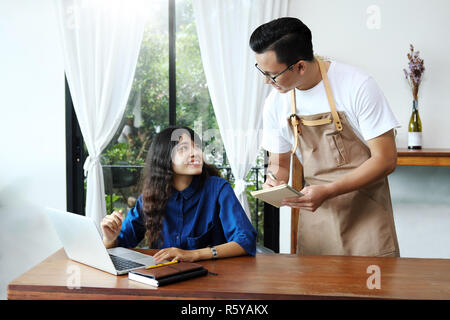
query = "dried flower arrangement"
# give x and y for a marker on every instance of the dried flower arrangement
(416, 69)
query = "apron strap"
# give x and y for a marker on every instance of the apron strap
(295, 120)
(326, 83)
(312, 123)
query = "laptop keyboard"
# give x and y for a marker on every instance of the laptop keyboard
(123, 264)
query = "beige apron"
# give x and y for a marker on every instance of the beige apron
(359, 223)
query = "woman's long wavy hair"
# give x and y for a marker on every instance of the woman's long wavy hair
(158, 178)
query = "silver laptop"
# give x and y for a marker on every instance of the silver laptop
(83, 243)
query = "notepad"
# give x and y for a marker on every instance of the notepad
(168, 274)
(275, 195)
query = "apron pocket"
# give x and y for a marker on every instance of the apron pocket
(337, 148)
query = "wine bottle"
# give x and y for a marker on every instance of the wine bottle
(415, 128)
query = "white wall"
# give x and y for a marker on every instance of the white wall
(340, 31)
(32, 164)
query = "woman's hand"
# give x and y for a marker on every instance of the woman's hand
(172, 254)
(111, 225)
(313, 198)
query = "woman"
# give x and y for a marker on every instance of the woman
(186, 208)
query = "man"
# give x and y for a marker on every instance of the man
(338, 123)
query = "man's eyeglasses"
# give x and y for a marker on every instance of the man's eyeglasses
(273, 78)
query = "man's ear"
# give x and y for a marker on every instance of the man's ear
(301, 66)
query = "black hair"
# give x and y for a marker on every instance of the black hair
(288, 37)
(158, 177)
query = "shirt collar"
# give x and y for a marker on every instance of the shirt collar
(190, 190)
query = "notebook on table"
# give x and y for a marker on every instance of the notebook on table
(164, 275)
(275, 195)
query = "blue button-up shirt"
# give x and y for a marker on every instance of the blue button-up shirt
(197, 217)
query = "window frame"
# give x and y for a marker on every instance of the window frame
(75, 157)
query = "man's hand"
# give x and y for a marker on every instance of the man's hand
(272, 183)
(279, 164)
(313, 198)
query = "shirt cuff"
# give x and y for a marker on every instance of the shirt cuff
(248, 245)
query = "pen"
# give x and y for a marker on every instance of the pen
(271, 175)
(162, 264)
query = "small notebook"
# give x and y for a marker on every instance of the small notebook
(275, 195)
(168, 274)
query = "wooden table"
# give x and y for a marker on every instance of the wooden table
(266, 276)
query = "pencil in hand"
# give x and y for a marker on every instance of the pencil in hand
(162, 264)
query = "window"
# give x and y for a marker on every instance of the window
(169, 88)
(145, 115)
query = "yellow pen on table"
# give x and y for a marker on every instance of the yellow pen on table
(162, 264)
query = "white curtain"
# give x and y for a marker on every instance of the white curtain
(101, 41)
(237, 90)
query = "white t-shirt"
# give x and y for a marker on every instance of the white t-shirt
(354, 92)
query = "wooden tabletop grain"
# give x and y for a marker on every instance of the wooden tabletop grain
(266, 276)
